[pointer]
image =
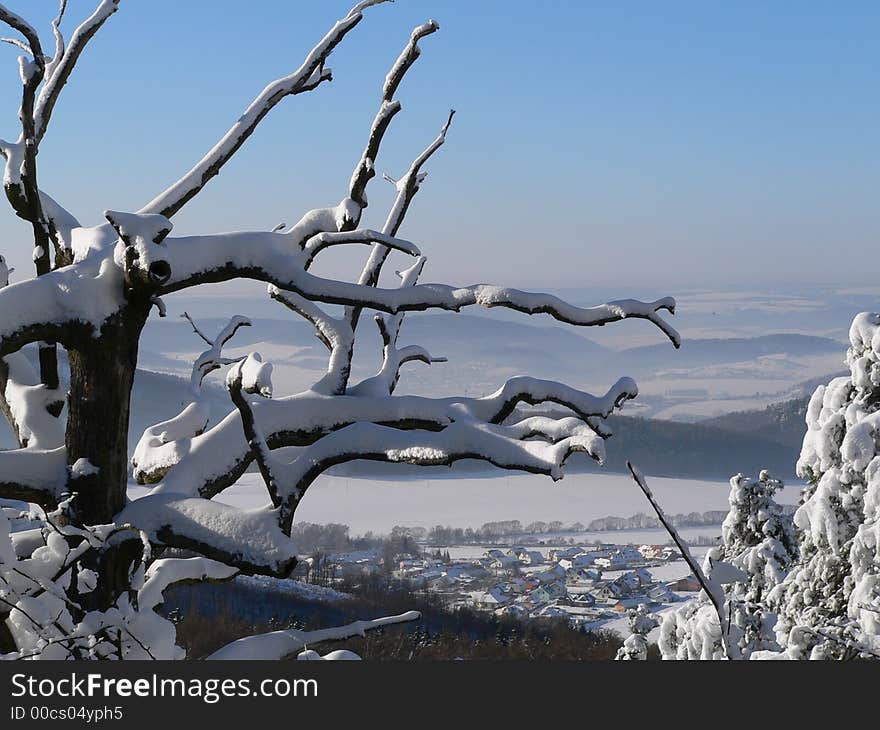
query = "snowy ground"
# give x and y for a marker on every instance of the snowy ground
(379, 505)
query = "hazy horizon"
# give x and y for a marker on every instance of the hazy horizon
(637, 146)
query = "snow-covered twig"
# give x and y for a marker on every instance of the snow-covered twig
(307, 77)
(393, 358)
(147, 460)
(366, 167)
(59, 39)
(464, 439)
(319, 242)
(280, 644)
(214, 460)
(62, 65)
(713, 590)
(334, 333)
(407, 187)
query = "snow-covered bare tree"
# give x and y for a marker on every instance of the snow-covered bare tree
(88, 577)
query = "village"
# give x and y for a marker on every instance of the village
(589, 585)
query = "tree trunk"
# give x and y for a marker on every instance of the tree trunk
(101, 376)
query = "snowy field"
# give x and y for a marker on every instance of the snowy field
(380, 504)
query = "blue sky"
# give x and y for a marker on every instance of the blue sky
(657, 145)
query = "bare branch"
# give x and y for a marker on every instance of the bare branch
(713, 591)
(334, 333)
(220, 456)
(407, 187)
(196, 329)
(365, 169)
(367, 237)
(307, 77)
(147, 460)
(280, 644)
(62, 66)
(248, 539)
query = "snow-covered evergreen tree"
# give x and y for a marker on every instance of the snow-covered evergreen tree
(757, 550)
(829, 605)
(641, 622)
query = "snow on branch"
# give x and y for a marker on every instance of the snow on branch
(307, 77)
(26, 29)
(393, 358)
(33, 475)
(58, 70)
(280, 644)
(212, 359)
(167, 572)
(148, 459)
(463, 439)
(66, 306)
(712, 588)
(216, 459)
(248, 539)
(266, 256)
(59, 39)
(25, 402)
(320, 241)
(366, 167)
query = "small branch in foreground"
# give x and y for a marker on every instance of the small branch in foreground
(712, 589)
(279, 644)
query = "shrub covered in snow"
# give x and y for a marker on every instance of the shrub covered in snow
(757, 550)
(641, 623)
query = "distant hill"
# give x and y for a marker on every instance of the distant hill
(699, 352)
(660, 448)
(783, 422)
(695, 450)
